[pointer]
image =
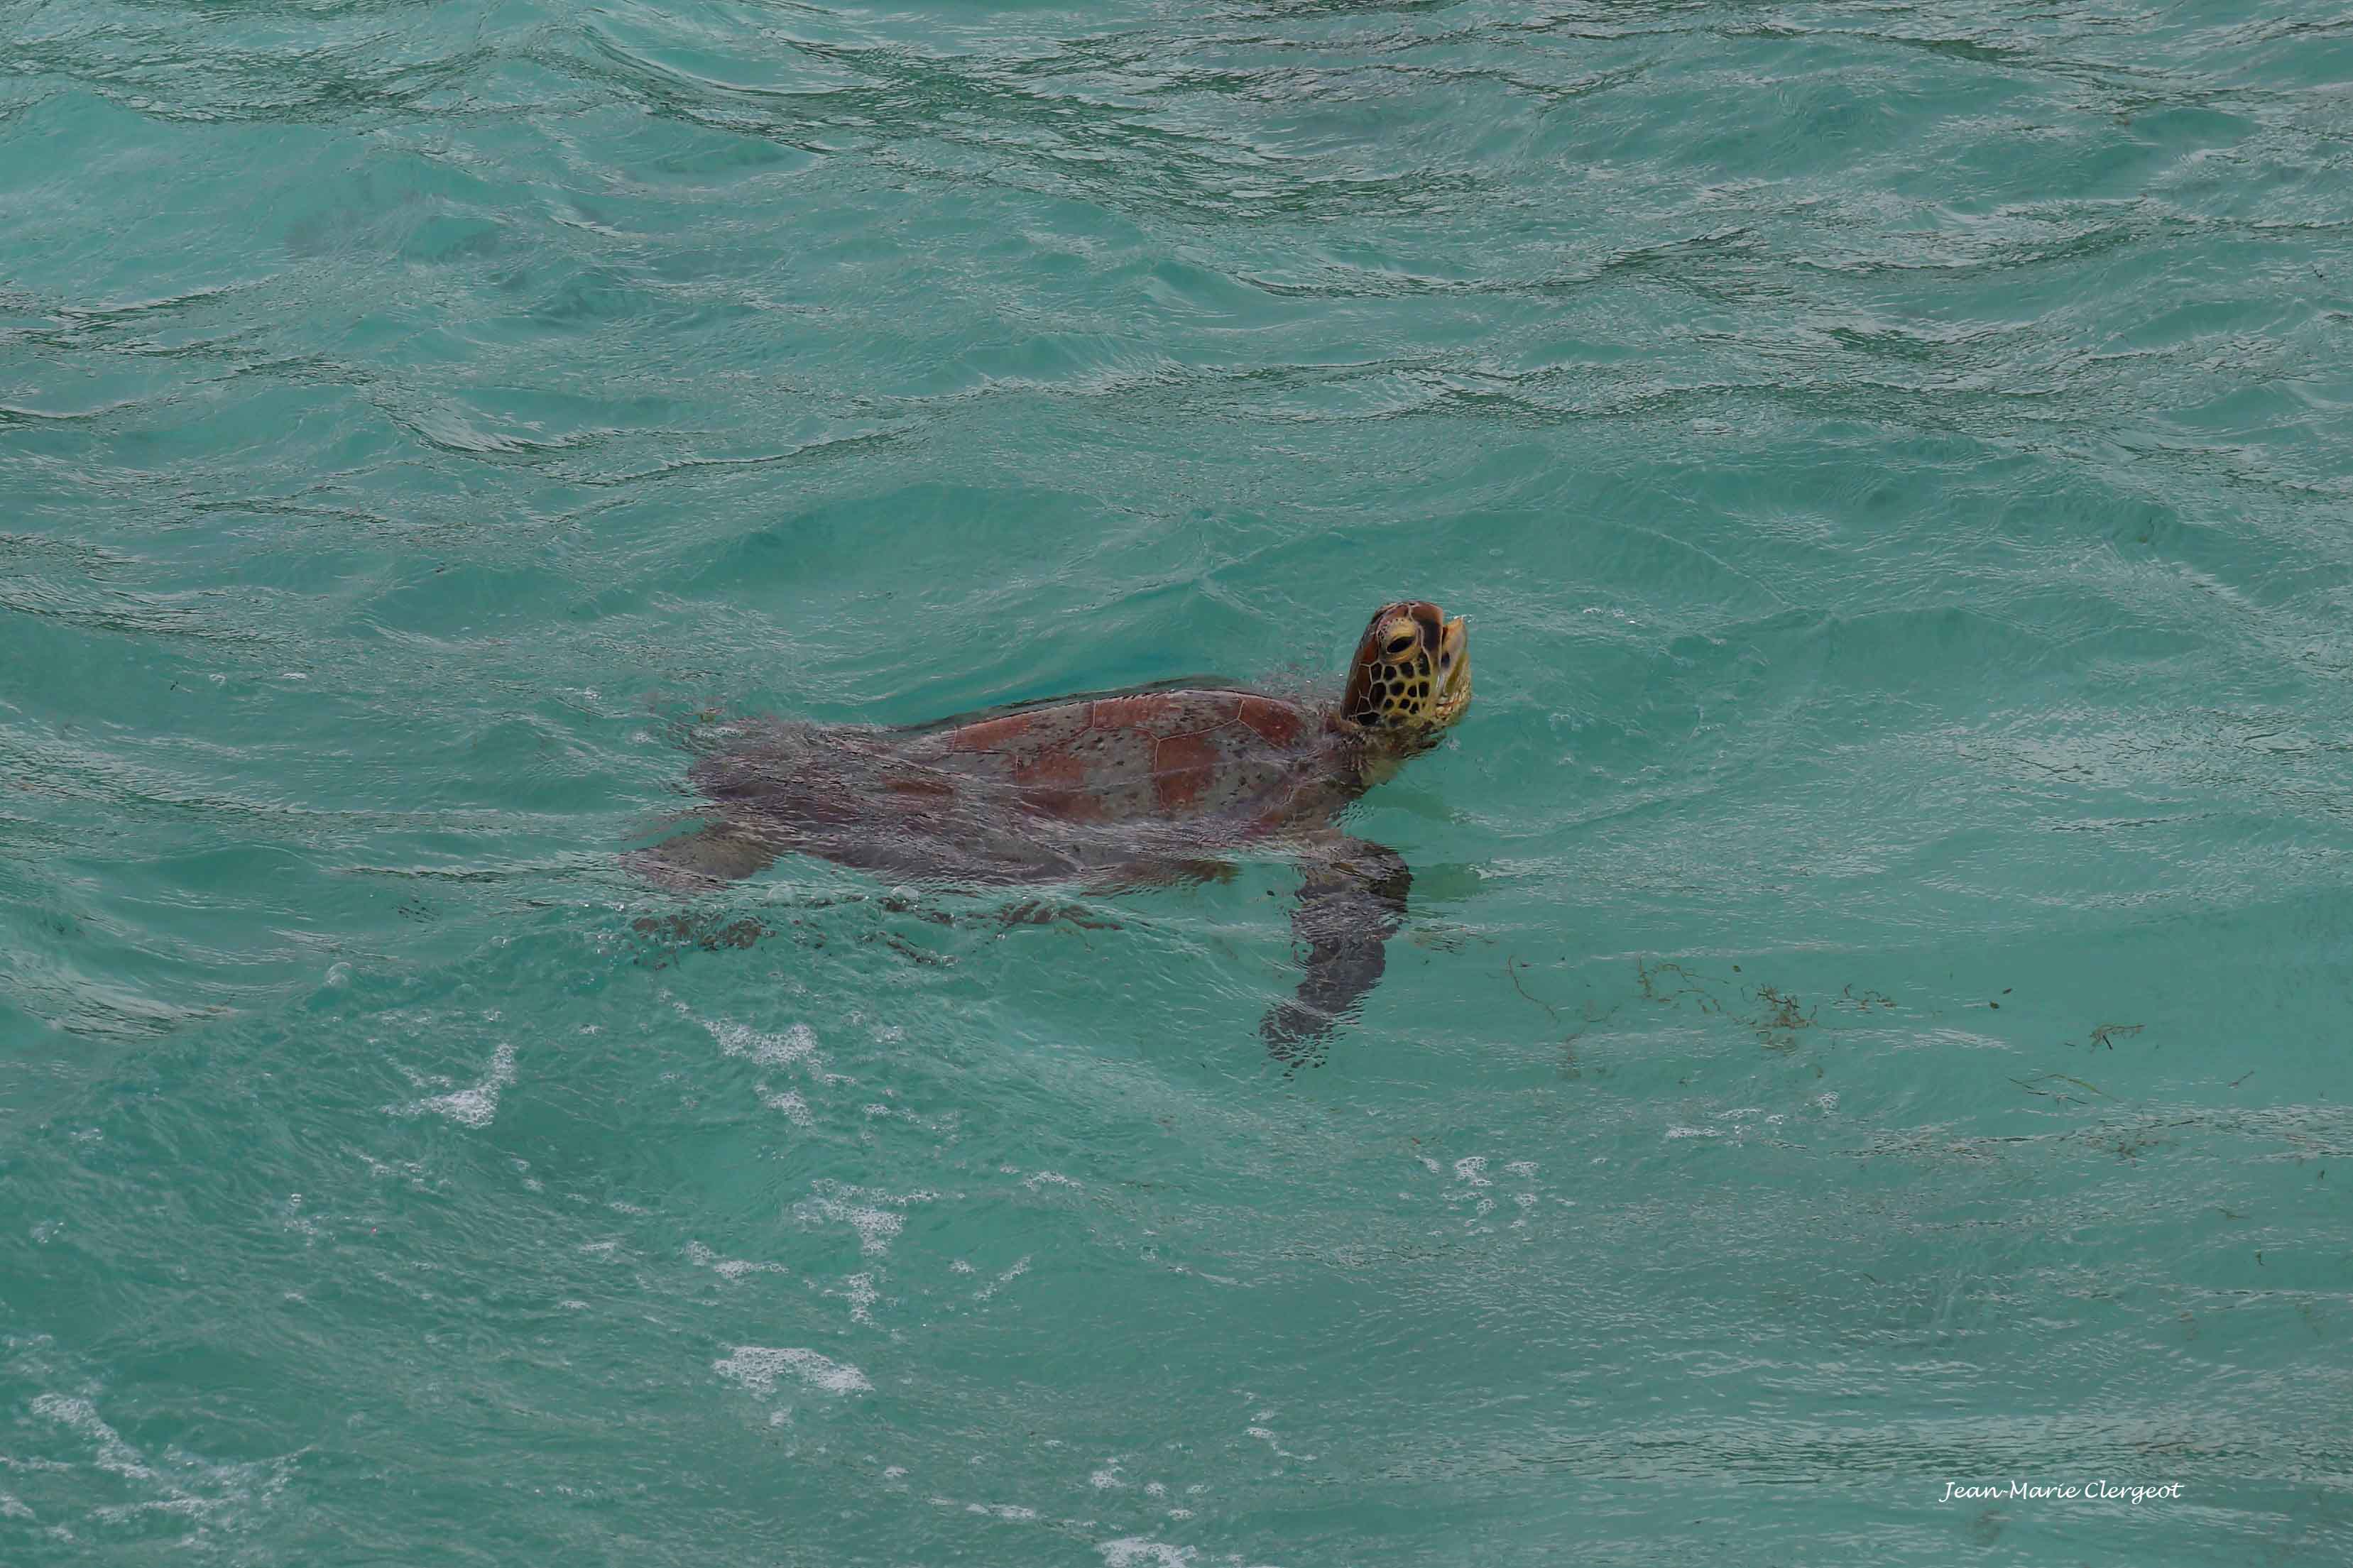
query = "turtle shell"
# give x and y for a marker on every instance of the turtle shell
(1165, 754)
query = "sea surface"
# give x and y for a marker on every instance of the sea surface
(1874, 1011)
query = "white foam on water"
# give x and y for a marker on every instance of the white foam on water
(1021, 1266)
(875, 1224)
(757, 1368)
(797, 1041)
(1006, 1511)
(796, 1046)
(875, 1229)
(81, 1416)
(187, 1485)
(1135, 1551)
(472, 1107)
(702, 1256)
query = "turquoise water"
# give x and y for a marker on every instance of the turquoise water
(1873, 1012)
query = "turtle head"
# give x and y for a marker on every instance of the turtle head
(1412, 676)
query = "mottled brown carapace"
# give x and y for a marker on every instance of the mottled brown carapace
(1178, 754)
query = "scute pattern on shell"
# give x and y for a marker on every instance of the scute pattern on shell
(1154, 754)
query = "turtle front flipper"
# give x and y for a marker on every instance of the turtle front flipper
(1351, 901)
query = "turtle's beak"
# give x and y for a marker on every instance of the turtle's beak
(1453, 693)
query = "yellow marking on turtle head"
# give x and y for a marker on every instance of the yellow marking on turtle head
(1412, 676)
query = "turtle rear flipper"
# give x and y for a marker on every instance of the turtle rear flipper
(1167, 871)
(1351, 901)
(722, 851)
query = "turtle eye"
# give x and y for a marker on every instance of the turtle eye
(1402, 643)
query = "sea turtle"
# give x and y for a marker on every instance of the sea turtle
(1113, 790)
